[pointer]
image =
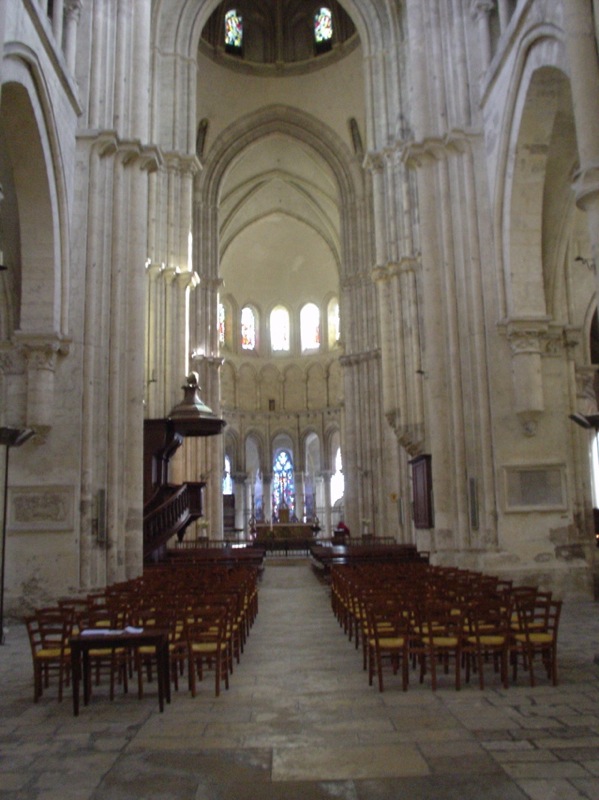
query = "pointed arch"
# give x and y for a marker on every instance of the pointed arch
(177, 27)
(309, 132)
(31, 138)
(540, 51)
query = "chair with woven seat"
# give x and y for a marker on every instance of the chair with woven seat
(487, 636)
(49, 631)
(144, 657)
(437, 637)
(207, 646)
(536, 635)
(387, 637)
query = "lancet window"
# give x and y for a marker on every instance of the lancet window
(323, 29)
(248, 328)
(279, 329)
(233, 32)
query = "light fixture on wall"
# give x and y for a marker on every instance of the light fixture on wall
(588, 262)
(9, 437)
(588, 421)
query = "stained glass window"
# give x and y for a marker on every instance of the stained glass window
(337, 479)
(323, 29)
(227, 480)
(283, 484)
(233, 32)
(248, 329)
(334, 323)
(222, 321)
(279, 329)
(310, 327)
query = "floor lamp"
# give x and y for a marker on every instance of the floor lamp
(9, 437)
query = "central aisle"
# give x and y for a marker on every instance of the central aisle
(301, 723)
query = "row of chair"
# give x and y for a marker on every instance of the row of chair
(425, 617)
(206, 612)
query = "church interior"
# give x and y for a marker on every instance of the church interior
(274, 271)
(376, 252)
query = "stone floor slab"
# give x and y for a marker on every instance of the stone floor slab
(347, 763)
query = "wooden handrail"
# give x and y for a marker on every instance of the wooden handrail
(172, 516)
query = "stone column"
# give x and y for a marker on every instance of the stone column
(141, 71)
(57, 21)
(388, 357)
(481, 10)
(41, 354)
(581, 47)
(525, 341)
(328, 527)
(239, 490)
(72, 16)
(266, 496)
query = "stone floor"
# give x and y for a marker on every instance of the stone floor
(300, 721)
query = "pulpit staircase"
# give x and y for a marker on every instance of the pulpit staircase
(167, 514)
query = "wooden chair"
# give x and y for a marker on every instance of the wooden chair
(387, 637)
(437, 638)
(49, 631)
(144, 657)
(538, 622)
(207, 647)
(488, 637)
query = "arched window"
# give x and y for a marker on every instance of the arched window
(227, 480)
(279, 329)
(233, 32)
(337, 480)
(313, 468)
(333, 322)
(222, 324)
(323, 30)
(248, 328)
(310, 327)
(252, 468)
(283, 484)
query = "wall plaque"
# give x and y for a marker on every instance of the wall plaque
(538, 487)
(40, 508)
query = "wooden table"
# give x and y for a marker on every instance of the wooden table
(82, 643)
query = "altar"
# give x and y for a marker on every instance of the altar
(281, 531)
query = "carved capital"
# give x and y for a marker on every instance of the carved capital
(386, 272)
(73, 9)
(41, 350)
(187, 280)
(154, 270)
(430, 149)
(359, 358)
(525, 342)
(380, 274)
(524, 334)
(183, 163)
(374, 162)
(481, 8)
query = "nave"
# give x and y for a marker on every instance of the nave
(300, 721)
